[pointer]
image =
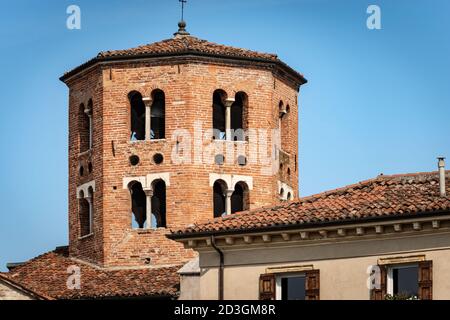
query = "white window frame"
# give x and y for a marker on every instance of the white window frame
(390, 275)
(278, 282)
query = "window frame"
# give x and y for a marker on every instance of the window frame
(390, 276)
(278, 282)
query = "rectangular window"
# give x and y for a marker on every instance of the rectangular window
(403, 281)
(291, 287)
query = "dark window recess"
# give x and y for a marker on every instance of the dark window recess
(242, 160)
(240, 198)
(138, 206)
(219, 159)
(218, 115)
(134, 160)
(83, 129)
(158, 115)
(219, 199)
(158, 158)
(405, 281)
(81, 171)
(90, 167)
(237, 117)
(293, 288)
(137, 116)
(159, 205)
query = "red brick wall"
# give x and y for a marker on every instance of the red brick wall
(89, 86)
(188, 89)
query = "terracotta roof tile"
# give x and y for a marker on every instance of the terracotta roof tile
(383, 196)
(186, 45)
(47, 276)
(189, 44)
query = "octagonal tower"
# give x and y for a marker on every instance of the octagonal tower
(172, 133)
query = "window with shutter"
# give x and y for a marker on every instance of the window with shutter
(380, 292)
(426, 280)
(267, 287)
(312, 285)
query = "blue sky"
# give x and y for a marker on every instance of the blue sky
(377, 101)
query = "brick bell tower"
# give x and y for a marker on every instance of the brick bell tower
(168, 134)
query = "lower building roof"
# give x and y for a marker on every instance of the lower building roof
(384, 197)
(47, 276)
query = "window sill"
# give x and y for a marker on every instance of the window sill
(230, 141)
(85, 153)
(144, 141)
(144, 231)
(86, 236)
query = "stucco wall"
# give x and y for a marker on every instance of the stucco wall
(343, 265)
(9, 293)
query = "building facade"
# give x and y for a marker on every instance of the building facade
(385, 238)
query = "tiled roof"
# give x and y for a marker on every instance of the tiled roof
(186, 45)
(47, 276)
(189, 44)
(383, 197)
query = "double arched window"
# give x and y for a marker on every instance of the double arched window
(147, 115)
(227, 201)
(148, 207)
(229, 116)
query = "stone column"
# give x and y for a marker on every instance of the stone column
(148, 117)
(148, 212)
(228, 195)
(91, 216)
(228, 103)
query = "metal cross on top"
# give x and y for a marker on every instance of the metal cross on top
(182, 8)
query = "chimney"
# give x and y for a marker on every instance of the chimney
(441, 165)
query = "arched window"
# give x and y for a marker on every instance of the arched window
(284, 124)
(159, 204)
(158, 114)
(219, 190)
(85, 212)
(83, 128)
(219, 114)
(138, 205)
(238, 115)
(137, 116)
(240, 198)
(89, 113)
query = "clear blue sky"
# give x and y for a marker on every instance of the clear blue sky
(376, 101)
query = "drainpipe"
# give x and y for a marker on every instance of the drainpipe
(441, 165)
(221, 266)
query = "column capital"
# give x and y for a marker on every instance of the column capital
(229, 102)
(229, 192)
(148, 192)
(147, 101)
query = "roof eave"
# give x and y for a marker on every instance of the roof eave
(240, 231)
(297, 76)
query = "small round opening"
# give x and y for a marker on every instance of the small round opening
(158, 158)
(90, 167)
(81, 171)
(242, 160)
(219, 159)
(134, 160)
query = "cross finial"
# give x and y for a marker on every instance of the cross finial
(181, 25)
(182, 8)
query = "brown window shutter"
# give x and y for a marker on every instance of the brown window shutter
(379, 294)
(426, 280)
(267, 287)
(312, 285)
